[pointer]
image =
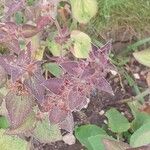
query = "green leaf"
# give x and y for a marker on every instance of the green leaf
(46, 133)
(96, 142)
(12, 142)
(87, 134)
(141, 136)
(140, 119)
(31, 2)
(115, 145)
(4, 122)
(19, 18)
(116, 121)
(54, 69)
(82, 44)
(84, 10)
(26, 126)
(143, 57)
(54, 48)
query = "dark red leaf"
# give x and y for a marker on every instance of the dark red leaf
(54, 85)
(36, 88)
(43, 21)
(75, 99)
(103, 85)
(68, 123)
(71, 67)
(57, 114)
(88, 72)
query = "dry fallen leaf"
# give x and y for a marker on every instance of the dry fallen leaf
(145, 108)
(115, 145)
(146, 147)
(148, 79)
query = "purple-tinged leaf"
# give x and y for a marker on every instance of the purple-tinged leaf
(9, 36)
(88, 72)
(84, 104)
(63, 36)
(28, 31)
(102, 85)
(13, 45)
(16, 73)
(21, 66)
(54, 85)
(71, 67)
(68, 123)
(75, 99)
(43, 21)
(18, 106)
(27, 126)
(35, 88)
(11, 68)
(57, 114)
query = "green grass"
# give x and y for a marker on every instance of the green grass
(113, 14)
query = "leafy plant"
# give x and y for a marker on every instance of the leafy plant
(117, 122)
(96, 138)
(48, 76)
(12, 143)
(143, 57)
(91, 136)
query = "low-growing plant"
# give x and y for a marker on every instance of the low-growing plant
(135, 133)
(49, 68)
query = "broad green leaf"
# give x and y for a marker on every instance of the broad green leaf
(19, 17)
(96, 142)
(26, 126)
(54, 48)
(46, 133)
(116, 121)
(140, 119)
(115, 145)
(81, 43)
(4, 122)
(141, 136)
(84, 10)
(54, 69)
(143, 57)
(86, 133)
(31, 2)
(12, 142)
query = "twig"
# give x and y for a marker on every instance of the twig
(131, 99)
